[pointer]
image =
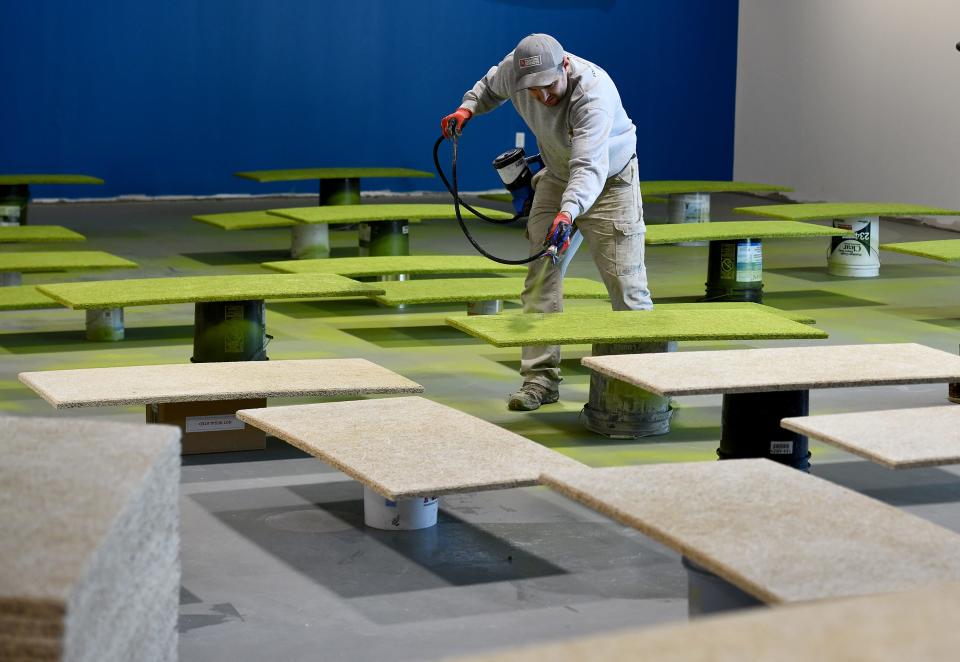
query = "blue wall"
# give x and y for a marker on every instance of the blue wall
(172, 96)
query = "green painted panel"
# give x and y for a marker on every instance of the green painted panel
(737, 305)
(24, 297)
(668, 187)
(580, 327)
(811, 211)
(244, 220)
(674, 232)
(462, 290)
(36, 261)
(387, 212)
(37, 234)
(944, 250)
(398, 264)
(154, 291)
(13, 180)
(297, 174)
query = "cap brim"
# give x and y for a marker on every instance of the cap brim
(538, 79)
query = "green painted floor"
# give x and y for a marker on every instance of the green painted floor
(275, 560)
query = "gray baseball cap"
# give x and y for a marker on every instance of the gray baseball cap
(537, 59)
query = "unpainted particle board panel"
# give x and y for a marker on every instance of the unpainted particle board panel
(896, 438)
(892, 627)
(674, 232)
(409, 446)
(397, 264)
(186, 289)
(812, 211)
(461, 290)
(380, 212)
(626, 326)
(186, 382)
(780, 368)
(776, 533)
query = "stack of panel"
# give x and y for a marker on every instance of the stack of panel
(89, 566)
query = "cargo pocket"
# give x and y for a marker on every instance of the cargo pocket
(628, 246)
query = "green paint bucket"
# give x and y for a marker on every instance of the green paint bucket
(229, 331)
(384, 238)
(105, 324)
(735, 270)
(622, 411)
(14, 199)
(340, 191)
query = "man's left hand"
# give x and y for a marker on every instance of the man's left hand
(559, 233)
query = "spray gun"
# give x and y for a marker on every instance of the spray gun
(558, 240)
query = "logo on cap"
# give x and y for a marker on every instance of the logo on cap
(533, 61)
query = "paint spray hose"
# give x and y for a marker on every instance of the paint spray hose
(454, 190)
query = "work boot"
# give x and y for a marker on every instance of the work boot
(531, 395)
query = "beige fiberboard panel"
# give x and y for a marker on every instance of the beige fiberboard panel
(185, 382)
(780, 369)
(897, 438)
(89, 564)
(411, 446)
(893, 627)
(776, 533)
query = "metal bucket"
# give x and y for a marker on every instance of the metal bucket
(491, 307)
(858, 257)
(622, 411)
(735, 270)
(709, 594)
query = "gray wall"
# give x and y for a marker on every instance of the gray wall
(851, 99)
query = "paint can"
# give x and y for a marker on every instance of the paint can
(340, 191)
(750, 427)
(735, 270)
(384, 238)
(688, 208)
(401, 515)
(105, 324)
(229, 331)
(14, 199)
(310, 241)
(709, 594)
(620, 410)
(10, 278)
(856, 257)
(491, 307)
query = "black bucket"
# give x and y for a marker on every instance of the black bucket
(14, 200)
(229, 331)
(735, 270)
(384, 238)
(751, 427)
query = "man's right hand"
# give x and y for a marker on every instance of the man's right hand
(459, 119)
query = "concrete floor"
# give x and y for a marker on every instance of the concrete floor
(276, 561)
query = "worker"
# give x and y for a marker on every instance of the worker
(590, 178)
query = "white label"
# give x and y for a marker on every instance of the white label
(520, 140)
(781, 448)
(214, 423)
(9, 215)
(749, 263)
(405, 229)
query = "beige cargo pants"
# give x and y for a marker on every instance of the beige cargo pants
(613, 229)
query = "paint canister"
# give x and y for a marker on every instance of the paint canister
(953, 392)
(384, 238)
(229, 331)
(10, 278)
(310, 241)
(340, 191)
(380, 512)
(105, 324)
(735, 270)
(620, 410)
(688, 208)
(491, 307)
(514, 170)
(709, 594)
(858, 256)
(14, 199)
(750, 425)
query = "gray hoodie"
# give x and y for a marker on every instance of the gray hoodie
(584, 139)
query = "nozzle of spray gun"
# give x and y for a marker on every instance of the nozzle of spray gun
(553, 253)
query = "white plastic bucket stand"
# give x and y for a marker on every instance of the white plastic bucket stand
(856, 257)
(309, 241)
(402, 515)
(688, 208)
(491, 307)
(105, 324)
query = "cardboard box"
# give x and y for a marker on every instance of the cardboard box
(211, 427)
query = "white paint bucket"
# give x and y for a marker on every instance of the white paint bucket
(105, 324)
(402, 515)
(857, 257)
(688, 208)
(310, 241)
(491, 307)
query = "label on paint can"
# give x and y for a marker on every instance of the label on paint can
(856, 247)
(749, 262)
(213, 423)
(9, 215)
(696, 209)
(728, 261)
(405, 229)
(781, 448)
(233, 333)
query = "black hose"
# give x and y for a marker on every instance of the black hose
(457, 203)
